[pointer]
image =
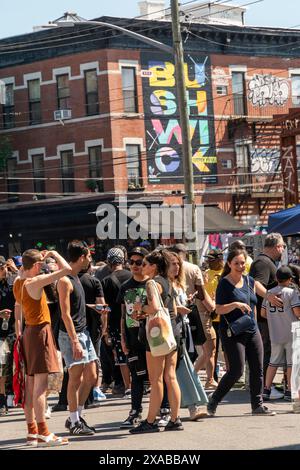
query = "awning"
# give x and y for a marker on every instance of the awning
(286, 222)
(218, 221)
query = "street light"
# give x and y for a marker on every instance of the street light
(71, 19)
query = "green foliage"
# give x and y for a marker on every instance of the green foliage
(91, 184)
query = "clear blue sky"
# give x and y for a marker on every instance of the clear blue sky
(19, 16)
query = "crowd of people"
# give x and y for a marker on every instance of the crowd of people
(98, 317)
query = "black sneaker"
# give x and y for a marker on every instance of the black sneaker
(133, 419)
(3, 411)
(262, 410)
(80, 429)
(68, 424)
(211, 405)
(144, 427)
(174, 425)
(266, 394)
(287, 395)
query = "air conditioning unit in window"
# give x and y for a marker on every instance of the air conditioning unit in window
(61, 114)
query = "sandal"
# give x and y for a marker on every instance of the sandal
(32, 440)
(51, 440)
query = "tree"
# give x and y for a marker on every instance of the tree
(6, 151)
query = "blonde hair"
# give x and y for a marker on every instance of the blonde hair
(180, 279)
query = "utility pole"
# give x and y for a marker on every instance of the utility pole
(185, 125)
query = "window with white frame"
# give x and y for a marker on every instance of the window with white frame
(129, 90)
(34, 94)
(63, 91)
(133, 160)
(9, 107)
(239, 93)
(296, 89)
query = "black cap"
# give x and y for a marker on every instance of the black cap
(2, 261)
(284, 273)
(138, 250)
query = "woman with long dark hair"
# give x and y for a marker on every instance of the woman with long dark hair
(160, 368)
(235, 297)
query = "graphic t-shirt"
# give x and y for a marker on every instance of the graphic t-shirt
(132, 292)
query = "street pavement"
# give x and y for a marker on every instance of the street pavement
(233, 428)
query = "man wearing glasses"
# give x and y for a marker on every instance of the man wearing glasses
(263, 269)
(134, 291)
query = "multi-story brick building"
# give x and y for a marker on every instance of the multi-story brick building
(92, 114)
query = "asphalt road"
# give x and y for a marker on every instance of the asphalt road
(233, 428)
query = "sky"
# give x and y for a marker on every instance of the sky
(19, 16)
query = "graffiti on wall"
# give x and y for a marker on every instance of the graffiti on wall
(265, 160)
(268, 90)
(162, 124)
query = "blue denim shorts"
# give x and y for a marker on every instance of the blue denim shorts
(65, 346)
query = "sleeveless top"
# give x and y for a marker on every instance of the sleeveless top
(35, 312)
(77, 306)
(168, 294)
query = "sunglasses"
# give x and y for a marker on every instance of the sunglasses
(137, 262)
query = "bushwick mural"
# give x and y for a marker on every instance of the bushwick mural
(162, 124)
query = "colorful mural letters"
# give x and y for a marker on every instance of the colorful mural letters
(163, 132)
(268, 90)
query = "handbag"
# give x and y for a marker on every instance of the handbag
(196, 326)
(159, 330)
(241, 324)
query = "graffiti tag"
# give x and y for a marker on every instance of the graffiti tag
(268, 90)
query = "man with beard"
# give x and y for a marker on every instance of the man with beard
(263, 269)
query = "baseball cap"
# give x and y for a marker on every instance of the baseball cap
(115, 256)
(18, 261)
(138, 250)
(284, 273)
(2, 261)
(214, 255)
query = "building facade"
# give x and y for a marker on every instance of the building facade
(92, 114)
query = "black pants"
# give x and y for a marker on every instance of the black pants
(110, 372)
(237, 348)
(264, 331)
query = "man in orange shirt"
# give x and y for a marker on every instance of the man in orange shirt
(38, 342)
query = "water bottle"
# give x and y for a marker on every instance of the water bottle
(4, 324)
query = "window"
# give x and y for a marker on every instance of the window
(38, 172)
(12, 184)
(95, 165)
(67, 171)
(133, 158)
(9, 107)
(91, 92)
(226, 164)
(296, 89)
(63, 92)
(239, 95)
(222, 90)
(243, 167)
(34, 92)
(129, 90)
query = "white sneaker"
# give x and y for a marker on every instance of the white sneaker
(48, 413)
(275, 395)
(164, 418)
(98, 395)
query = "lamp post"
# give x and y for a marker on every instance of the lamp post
(72, 19)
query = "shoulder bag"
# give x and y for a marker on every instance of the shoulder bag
(241, 324)
(159, 329)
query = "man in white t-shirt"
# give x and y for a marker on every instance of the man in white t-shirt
(280, 328)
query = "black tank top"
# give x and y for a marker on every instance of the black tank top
(77, 306)
(168, 294)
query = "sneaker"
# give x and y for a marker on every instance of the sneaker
(211, 405)
(79, 429)
(118, 390)
(3, 411)
(275, 394)
(133, 420)
(174, 425)
(266, 394)
(144, 427)
(164, 417)
(197, 413)
(262, 410)
(68, 424)
(48, 412)
(127, 394)
(59, 407)
(10, 401)
(106, 388)
(288, 395)
(98, 395)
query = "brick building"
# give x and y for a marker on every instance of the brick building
(91, 114)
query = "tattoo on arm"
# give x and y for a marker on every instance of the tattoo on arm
(150, 291)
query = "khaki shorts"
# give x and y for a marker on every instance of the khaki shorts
(207, 325)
